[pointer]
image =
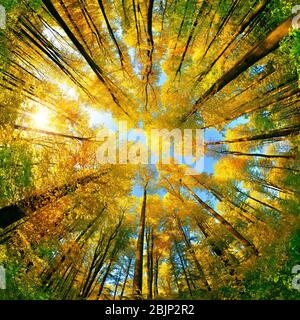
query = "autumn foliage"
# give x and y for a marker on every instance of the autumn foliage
(71, 228)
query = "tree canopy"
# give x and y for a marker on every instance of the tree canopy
(73, 228)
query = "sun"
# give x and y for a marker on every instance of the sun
(41, 118)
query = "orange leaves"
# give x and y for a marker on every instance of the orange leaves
(86, 155)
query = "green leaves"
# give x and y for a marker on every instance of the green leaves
(15, 172)
(263, 122)
(291, 47)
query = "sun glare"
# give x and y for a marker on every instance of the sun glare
(41, 119)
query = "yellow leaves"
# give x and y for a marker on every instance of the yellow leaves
(247, 184)
(229, 168)
(221, 206)
(276, 175)
(3, 253)
(240, 131)
(234, 133)
(162, 244)
(199, 49)
(271, 149)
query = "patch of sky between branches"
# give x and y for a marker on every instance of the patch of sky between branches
(98, 118)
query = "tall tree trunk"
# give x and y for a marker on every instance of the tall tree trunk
(278, 95)
(156, 270)
(183, 269)
(111, 32)
(190, 37)
(215, 248)
(138, 267)
(260, 50)
(224, 222)
(260, 155)
(104, 278)
(238, 31)
(277, 133)
(192, 253)
(175, 274)
(245, 214)
(51, 133)
(95, 67)
(149, 238)
(117, 283)
(15, 212)
(126, 278)
(99, 258)
(257, 200)
(81, 239)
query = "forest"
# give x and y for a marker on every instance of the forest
(72, 228)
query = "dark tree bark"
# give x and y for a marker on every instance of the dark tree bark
(277, 133)
(126, 278)
(183, 269)
(150, 244)
(51, 133)
(239, 30)
(105, 278)
(156, 271)
(190, 37)
(110, 31)
(260, 155)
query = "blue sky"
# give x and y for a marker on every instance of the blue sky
(98, 118)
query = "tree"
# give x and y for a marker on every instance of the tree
(72, 228)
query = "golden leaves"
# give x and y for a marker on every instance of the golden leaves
(229, 168)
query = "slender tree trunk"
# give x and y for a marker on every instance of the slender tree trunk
(257, 200)
(190, 37)
(95, 67)
(81, 239)
(239, 30)
(218, 252)
(277, 133)
(156, 271)
(174, 274)
(149, 238)
(117, 283)
(110, 31)
(260, 155)
(99, 258)
(224, 222)
(126, 278)
(138, 267)
(51, 133)
(104, 278)
(192, 253)
(258, 104)
(13, 213)
(246, 215)
(263, 48)
(183, 269)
